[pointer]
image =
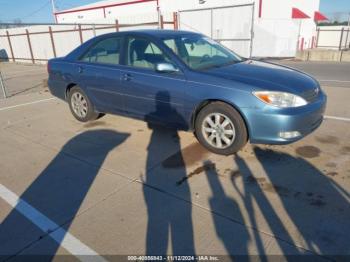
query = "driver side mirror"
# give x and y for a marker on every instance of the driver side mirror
(166, 68)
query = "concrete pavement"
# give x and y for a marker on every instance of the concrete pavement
(119, 186)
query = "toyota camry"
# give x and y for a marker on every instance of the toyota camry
(188, 81)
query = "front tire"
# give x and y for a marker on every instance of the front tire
(221, 129)
(81, 106)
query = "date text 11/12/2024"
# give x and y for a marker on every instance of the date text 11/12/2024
(173, 258)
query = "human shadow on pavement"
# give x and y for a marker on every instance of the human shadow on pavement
(58, 193)
(314, 202)
(308, 198)
(169, 219)
(235, 239)
(253, 195)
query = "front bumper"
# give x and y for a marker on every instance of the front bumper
(265, 125)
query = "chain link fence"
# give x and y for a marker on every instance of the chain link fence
(2, 86)
(22, 78)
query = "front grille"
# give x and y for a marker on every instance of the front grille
(311, 95)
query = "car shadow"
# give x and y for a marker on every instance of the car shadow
(169, 219)
(58, 192)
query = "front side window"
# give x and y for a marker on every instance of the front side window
(200, 52)
(144, 54)
(107, 51)
(171, 44)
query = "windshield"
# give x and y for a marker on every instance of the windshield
(200, 52)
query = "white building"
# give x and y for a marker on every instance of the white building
(265, 28)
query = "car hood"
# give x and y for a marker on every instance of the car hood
(267, 76)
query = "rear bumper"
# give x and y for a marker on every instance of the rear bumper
(265, 125)
(57, 88)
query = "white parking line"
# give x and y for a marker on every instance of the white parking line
(26, 104)
(10, 75)
(62, 237)
(338, 118)
(336, 81)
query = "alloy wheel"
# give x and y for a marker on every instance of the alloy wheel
(79, 105)
(218, 130)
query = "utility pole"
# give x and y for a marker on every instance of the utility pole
(53, 9)
(159, 15)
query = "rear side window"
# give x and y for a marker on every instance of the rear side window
(106, 51)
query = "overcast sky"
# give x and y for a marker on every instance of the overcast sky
(40, 10)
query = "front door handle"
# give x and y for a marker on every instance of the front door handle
(127, 77)
(80, 70)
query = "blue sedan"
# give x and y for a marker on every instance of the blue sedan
(187, 81)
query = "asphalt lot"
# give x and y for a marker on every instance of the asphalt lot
(328, 73)
(119, 186)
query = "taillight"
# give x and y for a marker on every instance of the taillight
(48, 67)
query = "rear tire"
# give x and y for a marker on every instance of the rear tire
(81, 106)
(221, 129)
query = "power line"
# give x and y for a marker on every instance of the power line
(37, 11)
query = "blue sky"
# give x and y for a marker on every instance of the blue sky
(40, 10)
(34, 10)
(330, 6)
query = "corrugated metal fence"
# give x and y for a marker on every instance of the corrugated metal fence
(232, 25)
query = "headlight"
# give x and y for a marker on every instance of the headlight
(280, 99)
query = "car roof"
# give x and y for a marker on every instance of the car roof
(157, 33)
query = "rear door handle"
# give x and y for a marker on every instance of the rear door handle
(80, 70)
(127, 77)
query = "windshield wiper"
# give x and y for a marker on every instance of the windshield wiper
(220, 65)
